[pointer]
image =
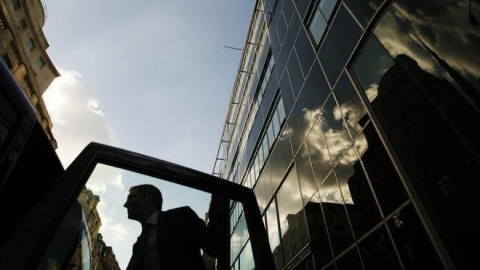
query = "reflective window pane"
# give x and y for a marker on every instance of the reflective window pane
(263, 188)
(246, 258)
(428, 102)
(317, 149)
(292, 218)
(386, 183)
(363, 212)
(377, 251)
(275, 123)
(327, 6)
(265, 148)
(331, 59)
(302, 7)
(270, 135)
(315, 90)
(281, 157)
(287, 93)
(305, 174)
(317, 229)
(305, 51)
(335, 214)
(334, 129)
(256, 170)
(412, 241)
(307, 263)
(239, 237)
(350, 105)
(317, 26)
(281, 110)
(295, 74)
(274, 235)
(363, 9)
(350, 261)
(307, 107)
(370, 66)
(260, 155)
(321, 15)
(339, 44)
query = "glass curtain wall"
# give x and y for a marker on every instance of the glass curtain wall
(376, 158)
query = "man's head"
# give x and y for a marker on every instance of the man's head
(142, 201)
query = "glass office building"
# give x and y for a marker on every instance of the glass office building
(357, 124)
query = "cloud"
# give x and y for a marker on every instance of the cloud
(372, 92)
(340, 146)
(443, 29)
(78, 120)
(76, 116)
(103, 176)
(114, 231)
(119, 232)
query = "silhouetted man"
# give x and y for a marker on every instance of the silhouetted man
(170, 239)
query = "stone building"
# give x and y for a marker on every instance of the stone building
(23, 49)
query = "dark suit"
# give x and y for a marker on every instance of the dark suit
(180, 236)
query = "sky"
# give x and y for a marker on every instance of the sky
(149, 76)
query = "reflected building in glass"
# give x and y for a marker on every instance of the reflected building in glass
(102, 255)
(357, 124)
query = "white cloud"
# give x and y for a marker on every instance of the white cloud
(116, 233)
(444, 37)
(76, 116)
(103, 176)
(372, 92)
(78, 120)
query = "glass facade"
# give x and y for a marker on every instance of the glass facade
(365, 155)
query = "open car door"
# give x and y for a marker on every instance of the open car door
(34, 244)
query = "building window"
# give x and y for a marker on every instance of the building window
(30, 44)
(293, 228)
(272, 130)
(23, 23)
(267, 71)
(319, 17)
(16, 4)
(371, 65)
(3, 22)
(6, 60)
(40, 62)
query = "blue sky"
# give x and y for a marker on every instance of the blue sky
(148, 76)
